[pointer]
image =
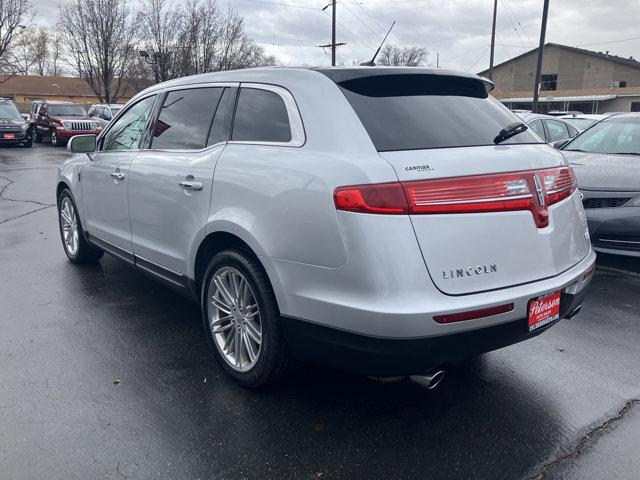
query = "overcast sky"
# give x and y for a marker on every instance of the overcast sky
(459, 30)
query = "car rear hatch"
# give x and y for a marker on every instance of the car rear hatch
(486, 216)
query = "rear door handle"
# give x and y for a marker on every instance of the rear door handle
(117, 176)
(189, 185)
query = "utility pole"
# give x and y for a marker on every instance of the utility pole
(543, 33)
(493, 39)
(333, 45)
(437, 59)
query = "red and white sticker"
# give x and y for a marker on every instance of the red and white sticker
(9, 135)
(544, 310)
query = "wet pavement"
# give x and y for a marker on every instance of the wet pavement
(106, 374)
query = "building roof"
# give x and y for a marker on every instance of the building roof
(36, 86)
(629, 62)
(582, 95)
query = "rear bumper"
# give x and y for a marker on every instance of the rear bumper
(615, 230)
(398, 357)
(19, 138)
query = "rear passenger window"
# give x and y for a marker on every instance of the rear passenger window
(557, 131)
(261, 116)
(185, 118)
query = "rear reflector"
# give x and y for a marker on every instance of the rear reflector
(589, 272)
(473, 314)
(531, 190)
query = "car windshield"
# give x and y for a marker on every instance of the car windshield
(618, 135)
(67, 111)
(581, 123)
(417, 111)
(9, 112)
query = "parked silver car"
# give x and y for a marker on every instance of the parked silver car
(552, 129)
(388, 221)
(606, 159)
(104, 113)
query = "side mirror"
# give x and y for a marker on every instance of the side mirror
(25, 116)
(560, 143)
(82, 144)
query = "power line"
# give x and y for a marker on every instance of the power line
(607, 43)
(481, 57)
(361, 21)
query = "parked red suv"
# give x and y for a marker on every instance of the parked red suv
(60, 121)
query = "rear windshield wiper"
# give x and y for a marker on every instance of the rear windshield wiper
(509, 131)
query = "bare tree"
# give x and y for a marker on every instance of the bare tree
(29, 56)
(15, 15)
(397, 56)
(55, 52)
(194, 38)
(99, 36)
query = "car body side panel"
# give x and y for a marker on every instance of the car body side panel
(166, 219)
(283, 199)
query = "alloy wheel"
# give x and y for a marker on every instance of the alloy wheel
(69, 226)
(54, 138)
(234, 319)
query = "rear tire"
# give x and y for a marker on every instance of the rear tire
(238, 308)
(74, 244)
(28, 143)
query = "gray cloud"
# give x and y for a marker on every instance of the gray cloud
(459, 30)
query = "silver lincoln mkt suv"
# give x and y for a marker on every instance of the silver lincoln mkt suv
(387, 221)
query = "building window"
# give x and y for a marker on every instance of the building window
(548, 82)
(635, 106)
(588, 65)
(623, 83)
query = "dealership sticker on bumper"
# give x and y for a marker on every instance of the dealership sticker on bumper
(544, 310)
(10, 136)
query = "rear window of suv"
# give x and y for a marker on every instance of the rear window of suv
(422, 111)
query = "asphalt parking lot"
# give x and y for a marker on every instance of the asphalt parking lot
(106, 374)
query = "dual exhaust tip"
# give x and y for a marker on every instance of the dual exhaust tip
(428, 381)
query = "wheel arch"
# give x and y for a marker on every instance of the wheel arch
(219, 240)
(62, 184)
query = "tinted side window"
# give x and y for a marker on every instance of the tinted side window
(261, 116)
(125, 133)
(185, 118)
(221, 127)
(537, 127)
(557, 131)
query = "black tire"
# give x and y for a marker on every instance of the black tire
(28, 143)
(55, 138)
(36, 136)
(273, 359)
(84, 253)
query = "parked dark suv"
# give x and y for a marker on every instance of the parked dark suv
(14, 129)
(60, 121)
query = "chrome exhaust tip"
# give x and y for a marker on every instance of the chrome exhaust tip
(429, 380)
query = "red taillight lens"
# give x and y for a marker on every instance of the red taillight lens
(386, 198)
(559, 183)
(473, 314)
(531, 190)
(482, 193)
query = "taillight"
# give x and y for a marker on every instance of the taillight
(531, 190)
(481, 193)
(559, 183)
(386, 198)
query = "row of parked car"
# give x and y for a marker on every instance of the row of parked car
(603, 151)
(56, 121)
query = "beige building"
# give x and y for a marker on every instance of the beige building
(572, 79)
(24, 89)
